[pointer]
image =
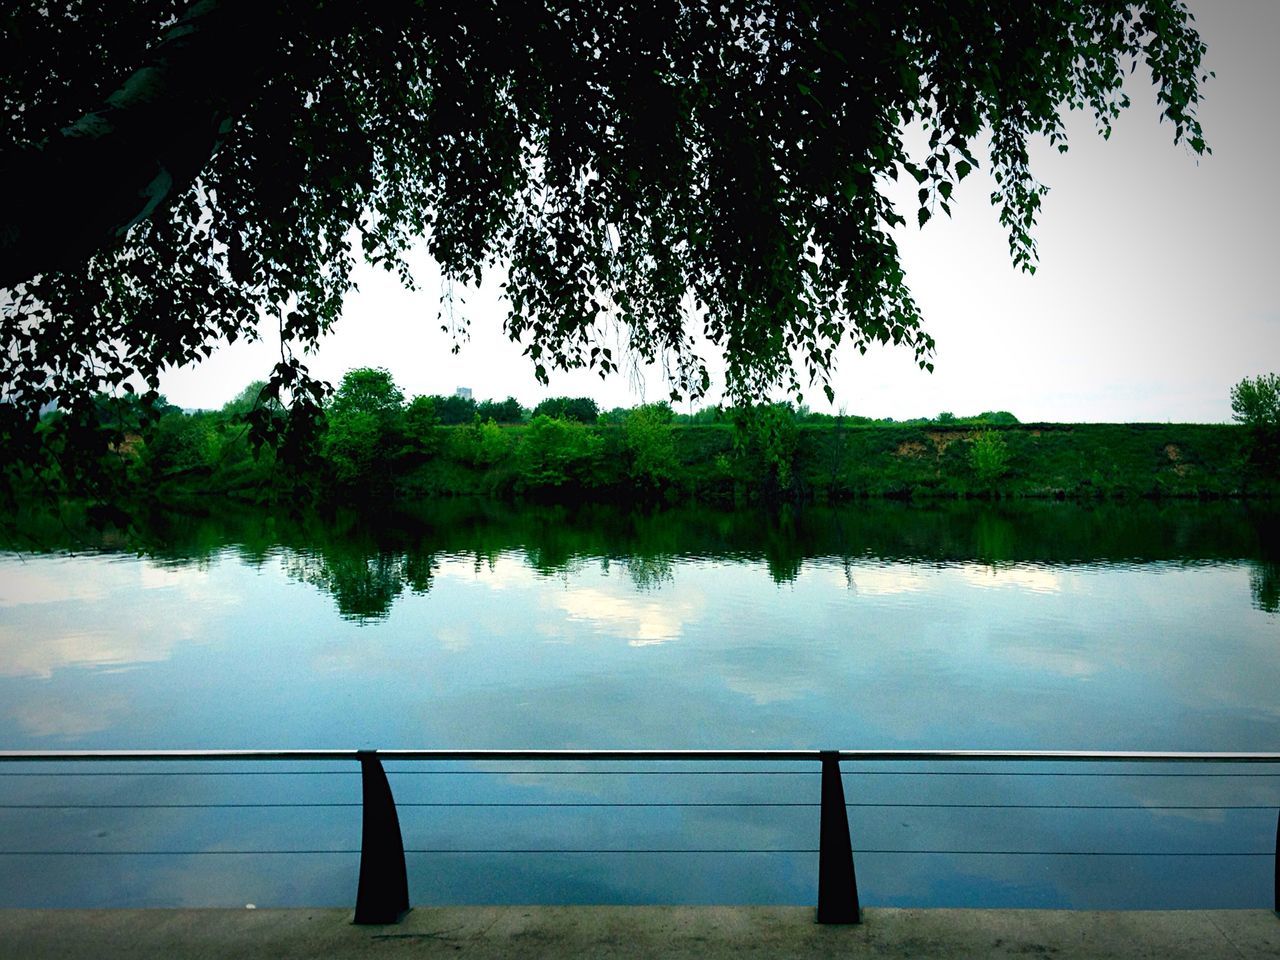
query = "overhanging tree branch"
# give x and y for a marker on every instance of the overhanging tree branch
(672, 172)
(84, 187)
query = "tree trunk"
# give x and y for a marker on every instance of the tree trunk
(84, 187)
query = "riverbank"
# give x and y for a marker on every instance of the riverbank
(705, 933)
(724, 464)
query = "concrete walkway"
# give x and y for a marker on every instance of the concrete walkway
(490, 933)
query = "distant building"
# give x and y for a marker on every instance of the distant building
(463, 392)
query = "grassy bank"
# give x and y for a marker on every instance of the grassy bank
(833, 462)
(765, 454)
(1081, 461)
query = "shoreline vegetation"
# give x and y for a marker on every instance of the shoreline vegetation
(373, 446)
(812, 463)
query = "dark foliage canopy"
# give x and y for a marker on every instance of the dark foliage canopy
(661, 174)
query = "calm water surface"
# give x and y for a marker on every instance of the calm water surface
(1134, 627)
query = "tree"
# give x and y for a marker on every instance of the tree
(577, 409)
(650, 444)
(555, 454)
(178, 443)
(672, 172)
(1256, 402)
(997, 418)
(368, 390)
(252, 396)
(765, 441)
(454, 409)
(421, 425)
(990, 457)
(364, 429)
(504, 411)
(482, 444)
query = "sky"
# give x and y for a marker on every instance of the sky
(1155, 291)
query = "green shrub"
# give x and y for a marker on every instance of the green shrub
(765, 444)
(481, 445)
(353, 448)
(178, 442)
(650, 446)
(422, 426)
(554, 453)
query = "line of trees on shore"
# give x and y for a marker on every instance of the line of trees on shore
(374, 444)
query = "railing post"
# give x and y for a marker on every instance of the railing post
(837, 883)
(1276, 883)
(383, 895)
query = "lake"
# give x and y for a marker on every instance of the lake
(1134, 626)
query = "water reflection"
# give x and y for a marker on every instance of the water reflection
(1264, 581)
(367, 562)
(650, 573)
(1141, 626)
(364, 587)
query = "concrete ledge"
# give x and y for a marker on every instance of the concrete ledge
(637, 932)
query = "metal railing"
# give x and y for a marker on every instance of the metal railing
(382, 893)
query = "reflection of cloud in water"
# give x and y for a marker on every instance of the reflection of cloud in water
(766, 688)
(56, 580)
(1045, 659)
(878, 580)
(881, 581)
(453, 637)
(1033, 579)
(505, 572)
(45, 582)
(49, 718)
(641, 622)
(68, 613)
(25, 655)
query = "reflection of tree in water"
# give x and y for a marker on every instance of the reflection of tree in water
(419, 568)
(553, 562)
(363, 586)
(849, 583)
(367, 565)
(994, 538)
(650, 573)
(1264, 583)
(1264, 578)
(784, 548)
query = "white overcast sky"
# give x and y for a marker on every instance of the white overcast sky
(1156, 289)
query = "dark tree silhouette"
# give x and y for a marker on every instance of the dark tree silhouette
(171, 173)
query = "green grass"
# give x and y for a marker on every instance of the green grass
(713, 464)
(1043, 460)
(834, 462)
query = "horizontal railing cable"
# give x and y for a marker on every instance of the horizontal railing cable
(910, 805)
(932, 756)
(649, 773)
(643, 850)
